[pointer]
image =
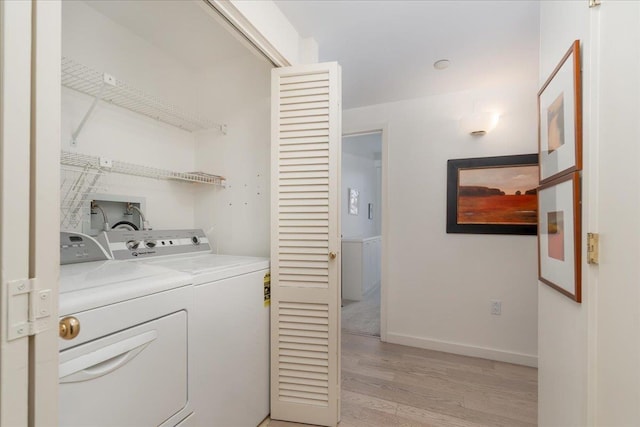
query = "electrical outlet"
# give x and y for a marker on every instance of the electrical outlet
(496, 307)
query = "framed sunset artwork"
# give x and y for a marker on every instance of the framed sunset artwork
(493, 195)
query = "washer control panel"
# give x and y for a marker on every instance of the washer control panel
(78, 247)
(125, 244)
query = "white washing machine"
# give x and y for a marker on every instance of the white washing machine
(124, 358)
(229, 321)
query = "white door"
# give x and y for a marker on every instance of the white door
(29, 176)
(614, 207)
(305, 244)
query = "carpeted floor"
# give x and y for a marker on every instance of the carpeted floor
(363, 317)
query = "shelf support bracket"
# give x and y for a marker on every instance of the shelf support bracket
(107, 79)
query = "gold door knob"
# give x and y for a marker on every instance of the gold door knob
(69, 328)
(332, 255)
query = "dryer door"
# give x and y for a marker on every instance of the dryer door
(136, 377)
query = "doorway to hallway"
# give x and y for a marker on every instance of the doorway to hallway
(361, 232)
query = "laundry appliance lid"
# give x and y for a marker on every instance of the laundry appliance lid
(209, 267)
(95, 284)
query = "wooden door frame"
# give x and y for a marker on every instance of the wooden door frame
(15, 133)
(30, 205)
(383, 129)
(45, 204)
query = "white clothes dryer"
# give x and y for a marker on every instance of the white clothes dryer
(124, 357)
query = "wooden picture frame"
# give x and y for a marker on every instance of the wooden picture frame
(493, 195)
(560, 118)
(559, 235)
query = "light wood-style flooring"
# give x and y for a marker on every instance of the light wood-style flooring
(362, 317)
(393, 385)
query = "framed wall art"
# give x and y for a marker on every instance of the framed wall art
(354, 201)
(493, 195)
(559, 235)
(560, 118)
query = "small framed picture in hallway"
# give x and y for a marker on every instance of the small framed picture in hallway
(559, 235)
(493, 195)
(354, 201)
(560, 118)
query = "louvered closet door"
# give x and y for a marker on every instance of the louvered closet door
(305, 244)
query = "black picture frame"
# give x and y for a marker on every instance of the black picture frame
(530, 217)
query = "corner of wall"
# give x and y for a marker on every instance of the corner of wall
(309, 51)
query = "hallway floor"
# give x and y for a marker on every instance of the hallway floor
(362, 317)
(392, 385)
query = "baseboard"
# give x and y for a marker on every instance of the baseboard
(463, 349)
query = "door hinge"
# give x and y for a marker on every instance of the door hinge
(29, 308)
(594, 3)
(593, 250)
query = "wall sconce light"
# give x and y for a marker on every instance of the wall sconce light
(478, 124)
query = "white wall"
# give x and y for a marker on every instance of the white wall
(563, 340)
(112, 132)
(589, 372)
(439, 285)
(237, 218)
(360, 171)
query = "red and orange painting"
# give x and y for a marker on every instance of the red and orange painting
(555, 231)
(498, 195)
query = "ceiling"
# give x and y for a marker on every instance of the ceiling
(387, 48)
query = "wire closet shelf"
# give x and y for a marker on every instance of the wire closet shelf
(89, 162)
(83, 175)
(105, 87)
(76, 186)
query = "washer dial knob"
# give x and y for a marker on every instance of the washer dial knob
(132, 245)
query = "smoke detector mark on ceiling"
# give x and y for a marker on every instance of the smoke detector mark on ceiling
(441, 64)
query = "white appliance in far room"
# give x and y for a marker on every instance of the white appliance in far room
(124, 340)
(229, 321)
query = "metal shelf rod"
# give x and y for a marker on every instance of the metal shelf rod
(74, 135)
